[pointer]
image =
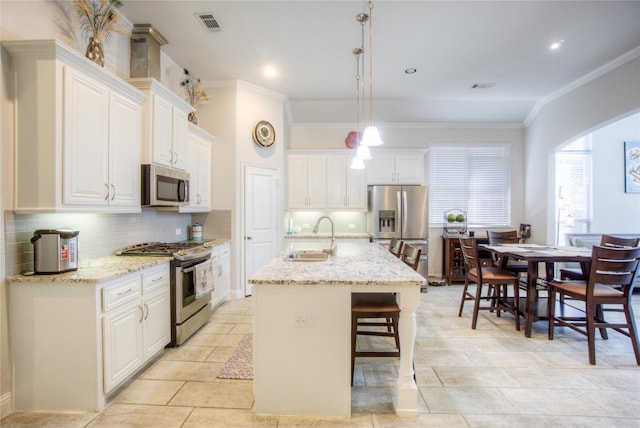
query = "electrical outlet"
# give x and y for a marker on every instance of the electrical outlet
(301, 321)
(178, 231)
(352, 226)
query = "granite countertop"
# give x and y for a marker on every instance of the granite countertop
(309, 235)
(99, 270)
(353, 264)
(104, 268)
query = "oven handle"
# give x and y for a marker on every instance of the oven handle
(192, 268)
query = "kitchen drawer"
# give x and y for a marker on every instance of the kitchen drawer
(121, 292)
(155, 279)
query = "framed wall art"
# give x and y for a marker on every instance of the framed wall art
(632, 166)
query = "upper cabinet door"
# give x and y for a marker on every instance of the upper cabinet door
(179, 148)
(306, 181)
(356, 187)
(162, 131)
(410, 169)
(381, 169)
(86, 140)
(346, 187)
(317, 181)
(124, 151)
(337, 191)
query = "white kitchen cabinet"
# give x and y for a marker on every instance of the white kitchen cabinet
(199, 168)
(122, 337)
(139, 327)
(306, 181)
(75, 342)
(222, 270)
(77, 130)
(405, 167)
(164, 129)
(101, 144)
(346, 187)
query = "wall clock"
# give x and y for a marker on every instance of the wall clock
(263, 134)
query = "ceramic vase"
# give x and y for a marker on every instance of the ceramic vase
(95, 52)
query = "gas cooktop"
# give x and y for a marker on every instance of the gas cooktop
(179, 250)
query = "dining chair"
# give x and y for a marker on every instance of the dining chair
(508, 237)
(498, 278)
(411, 256)
(395, 246)
(606, 241)
(611, 280)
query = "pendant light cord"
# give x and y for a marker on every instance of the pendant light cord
(370, 62)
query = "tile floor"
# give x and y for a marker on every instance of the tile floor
(489, 377)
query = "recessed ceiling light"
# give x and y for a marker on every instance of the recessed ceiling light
(269, 71)
(485, 85)
(411, 70)
(556, 45)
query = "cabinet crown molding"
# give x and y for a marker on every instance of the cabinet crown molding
(151, 84)
(56, 50)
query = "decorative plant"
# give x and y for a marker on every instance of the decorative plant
(99, 19)
(196, 95)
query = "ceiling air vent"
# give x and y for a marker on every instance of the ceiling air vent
(483, 85)
(209, 22)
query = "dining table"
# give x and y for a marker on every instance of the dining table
(534, 254)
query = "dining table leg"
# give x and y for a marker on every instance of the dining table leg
(529, 313)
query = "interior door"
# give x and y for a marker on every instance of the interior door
(260, 220)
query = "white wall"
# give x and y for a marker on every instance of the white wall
(603, 100)
(233, 110)
(614, 211)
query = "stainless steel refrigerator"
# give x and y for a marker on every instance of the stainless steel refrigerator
(401, 212)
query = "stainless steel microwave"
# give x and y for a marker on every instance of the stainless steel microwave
(164, 187)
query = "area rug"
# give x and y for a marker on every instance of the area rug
(240, 364)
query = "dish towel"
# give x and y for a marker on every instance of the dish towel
(204, 278)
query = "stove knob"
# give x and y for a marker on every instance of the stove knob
(181, 253)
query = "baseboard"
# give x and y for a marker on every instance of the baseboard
(6, 404)
(236, 295)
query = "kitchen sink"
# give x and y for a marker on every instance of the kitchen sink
(307, 256)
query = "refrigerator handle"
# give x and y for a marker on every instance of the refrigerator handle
(398, 212)
(404, 212)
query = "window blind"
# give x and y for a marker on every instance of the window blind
(472, 179)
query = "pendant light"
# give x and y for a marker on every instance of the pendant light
(363, 152)
(371, 136)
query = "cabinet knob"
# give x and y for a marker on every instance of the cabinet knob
(114, 192)
(106, 188)
(248, 238)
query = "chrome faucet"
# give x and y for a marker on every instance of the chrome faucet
(331, 250)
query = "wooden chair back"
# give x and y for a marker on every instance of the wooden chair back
(469, 249)
(508, 237)
(411, 256)
(615, 241)
(395, 247)
(613, 266)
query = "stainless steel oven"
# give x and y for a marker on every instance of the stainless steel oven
(192, 281)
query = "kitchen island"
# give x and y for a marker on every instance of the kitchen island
(302, 328)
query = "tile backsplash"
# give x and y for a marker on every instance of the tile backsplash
(100, 234)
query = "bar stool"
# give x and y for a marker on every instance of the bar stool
(379, 305)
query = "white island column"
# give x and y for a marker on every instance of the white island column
(406, 391)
